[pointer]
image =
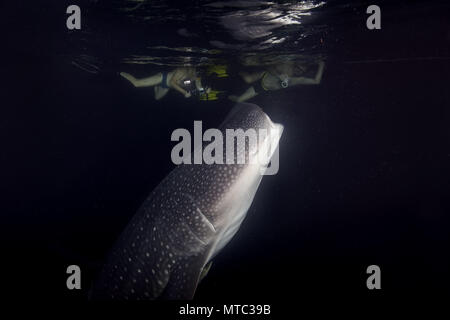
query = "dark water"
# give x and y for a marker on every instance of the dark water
(364, 158)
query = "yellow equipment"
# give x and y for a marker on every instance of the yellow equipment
(219, 69)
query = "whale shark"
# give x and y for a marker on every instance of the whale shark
(184, 223)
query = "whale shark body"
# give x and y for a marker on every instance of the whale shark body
(190, 216)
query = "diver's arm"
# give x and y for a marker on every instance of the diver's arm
(178, 75)
(174, 84)
(248, 94)
(304, 80)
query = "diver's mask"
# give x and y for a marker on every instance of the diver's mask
(190, 87)
(187, 83)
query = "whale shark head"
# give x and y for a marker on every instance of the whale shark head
(190, 216)
(261, 136)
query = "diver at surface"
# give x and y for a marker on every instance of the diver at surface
(180, 79)
(277, 77)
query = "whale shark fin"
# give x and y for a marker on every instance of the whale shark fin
(205, 271)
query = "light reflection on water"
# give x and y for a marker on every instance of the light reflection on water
(255, 32)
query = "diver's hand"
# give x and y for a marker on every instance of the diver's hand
(187, 94)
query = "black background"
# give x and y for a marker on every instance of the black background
(364, 174)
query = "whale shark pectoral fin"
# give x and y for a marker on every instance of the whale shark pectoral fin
(197, 221)
(205, 271)
(164, 250)
(206, 222)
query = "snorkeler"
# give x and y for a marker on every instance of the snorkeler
(277, 77)
(179, 79)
